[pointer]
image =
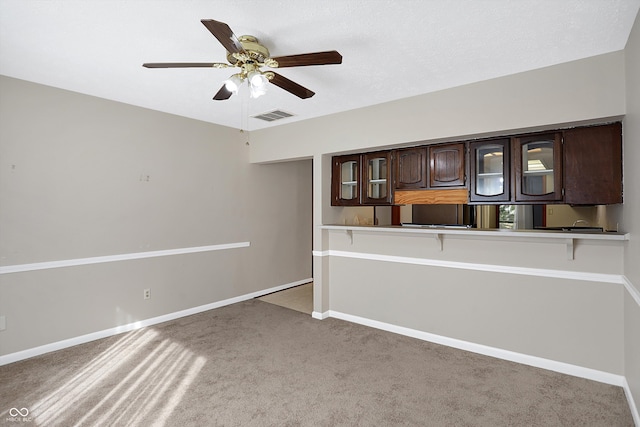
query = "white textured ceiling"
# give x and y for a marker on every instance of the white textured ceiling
(391, 49)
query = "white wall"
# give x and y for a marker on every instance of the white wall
(73, 185)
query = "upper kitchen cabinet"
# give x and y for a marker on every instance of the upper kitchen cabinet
(489, 165)
(579, 166)
(411, 168)
(593, 165)
(537, 161)
(346, 180)
(361, 179)
(376, 178)
(447, 165)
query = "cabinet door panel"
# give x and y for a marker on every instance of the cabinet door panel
(538, 167)
(490, 171)
(593, 165)
(446, 165)
(376, 178)
(345, 180)
(411, 168)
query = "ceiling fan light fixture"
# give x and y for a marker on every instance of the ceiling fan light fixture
(257, 91)
(257, 83)
(257, 79)
(233, 83)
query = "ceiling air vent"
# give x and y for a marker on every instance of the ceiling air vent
(272, 116)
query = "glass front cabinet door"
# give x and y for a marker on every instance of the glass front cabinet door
(490, 172)
(346, 181)
(538, 167)
(376, 178)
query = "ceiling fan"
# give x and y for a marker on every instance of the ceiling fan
(249, 55)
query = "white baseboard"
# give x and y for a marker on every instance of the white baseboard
(59, 345)
(320, 316)
(525, 359)
(632, 403)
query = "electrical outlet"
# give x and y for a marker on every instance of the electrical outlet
(3, 323)
(147, 293)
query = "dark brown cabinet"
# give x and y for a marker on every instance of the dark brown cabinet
(376, 178)
(537, 162)
(447, 165)
(593, 165)
(346, 180)
(579, 166)
(411, 168)
(362, 179)
(489, 164)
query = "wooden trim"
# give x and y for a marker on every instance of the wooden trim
(395, 215)
(432, 197)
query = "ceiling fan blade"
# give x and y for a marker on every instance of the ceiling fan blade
(223, 94)
(290, 86)
(225, 36)
(317, 58)
(185, 64)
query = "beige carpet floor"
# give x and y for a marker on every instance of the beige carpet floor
(299, 298)
(258, 364)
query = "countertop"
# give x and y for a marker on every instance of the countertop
(486, 232)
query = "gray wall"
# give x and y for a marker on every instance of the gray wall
(490, 291)
(73, 185)
(573, 92)
(630, 212)
(586, 91)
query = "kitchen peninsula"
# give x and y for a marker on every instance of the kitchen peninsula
(567, 237)
(559, 290)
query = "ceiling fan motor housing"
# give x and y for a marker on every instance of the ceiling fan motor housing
(253, 51)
